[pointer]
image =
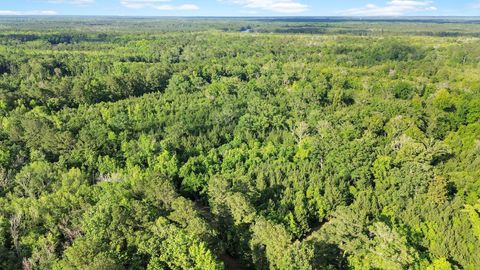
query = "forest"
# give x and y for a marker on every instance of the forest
(216, 143)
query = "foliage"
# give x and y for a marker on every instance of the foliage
(186, 144)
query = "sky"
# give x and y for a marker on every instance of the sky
(242, 7)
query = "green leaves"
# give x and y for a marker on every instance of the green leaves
(158, 148)
(272, 248)
(34, 179)
(473, 212)
(403, 90)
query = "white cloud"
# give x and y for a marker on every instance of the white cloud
(74, 2)
(283, 6)
(158, 4)
(392, 8)
(187, 7)
(476, 5)
(142, 3)
(27, 13)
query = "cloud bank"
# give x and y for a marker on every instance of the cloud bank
(281, 6)
(74, 2)
(27, 13)
(392, 8)
(158, 4)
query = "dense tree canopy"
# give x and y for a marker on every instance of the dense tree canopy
(204, 148)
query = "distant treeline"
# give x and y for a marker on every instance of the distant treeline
(96, 28)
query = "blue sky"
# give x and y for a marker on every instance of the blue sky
(242, 7)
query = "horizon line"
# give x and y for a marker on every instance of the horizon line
(226, 16)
